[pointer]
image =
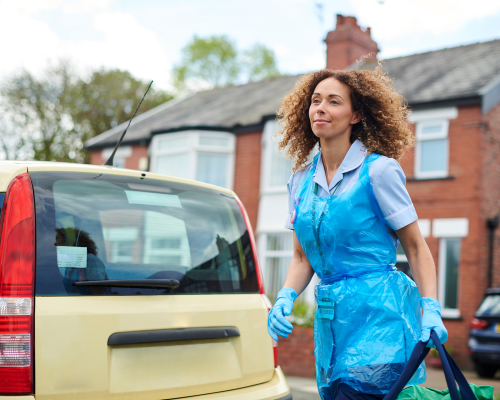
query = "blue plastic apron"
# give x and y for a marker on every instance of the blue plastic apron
(367, 313)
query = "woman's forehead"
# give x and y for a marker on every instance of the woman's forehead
(331, 86)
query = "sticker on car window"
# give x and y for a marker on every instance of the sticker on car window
(153, 199)
(71, 257)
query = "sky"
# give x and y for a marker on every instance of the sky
(146, 37)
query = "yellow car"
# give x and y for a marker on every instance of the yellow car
(119, 284)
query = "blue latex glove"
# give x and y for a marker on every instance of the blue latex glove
(431, 320)
(277, 324)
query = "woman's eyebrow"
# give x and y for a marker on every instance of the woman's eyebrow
(330, 95)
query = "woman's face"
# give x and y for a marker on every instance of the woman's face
(331, 113)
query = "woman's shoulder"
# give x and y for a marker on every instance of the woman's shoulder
(385, 169)
(296, 177)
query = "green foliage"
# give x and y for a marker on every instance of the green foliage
(51, 116)
(108, 98)
(208, 62)
(302, 314)
(260, 63)
(215, 62)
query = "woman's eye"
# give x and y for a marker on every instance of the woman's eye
(334, 102)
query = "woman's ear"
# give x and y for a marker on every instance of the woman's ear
(356, 117)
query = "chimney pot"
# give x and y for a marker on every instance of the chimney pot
(348, 43)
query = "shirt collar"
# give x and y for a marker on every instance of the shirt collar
(352, 160)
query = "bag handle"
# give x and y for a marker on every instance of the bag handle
(451, 372)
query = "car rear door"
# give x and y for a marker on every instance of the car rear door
(130, 339)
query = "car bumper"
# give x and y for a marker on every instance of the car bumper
(489, 353)
(275, 389)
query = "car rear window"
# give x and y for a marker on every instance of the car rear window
(490, 305)
(106, 227)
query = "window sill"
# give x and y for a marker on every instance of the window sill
(430, 179)
(451, 314)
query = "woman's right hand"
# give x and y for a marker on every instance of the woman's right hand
(277, 324)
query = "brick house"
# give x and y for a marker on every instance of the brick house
(225, 136)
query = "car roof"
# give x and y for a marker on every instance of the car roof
(10, 169)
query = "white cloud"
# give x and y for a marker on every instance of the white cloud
(31, 43)
(399, 17)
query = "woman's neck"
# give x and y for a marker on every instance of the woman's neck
(333, 152)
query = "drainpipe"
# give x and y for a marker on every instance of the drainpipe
(492, 224)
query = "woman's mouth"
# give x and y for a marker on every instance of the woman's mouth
(321, 122)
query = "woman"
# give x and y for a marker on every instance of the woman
(349, 209)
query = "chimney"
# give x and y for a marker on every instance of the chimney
(348, 43)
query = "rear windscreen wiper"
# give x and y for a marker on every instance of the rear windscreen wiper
(133, 283)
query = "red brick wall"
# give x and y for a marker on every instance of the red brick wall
(296, 353)
(96, 158)
(458, 198)
(490, 185)
(131, 162)
(138, 152)
(247, 172)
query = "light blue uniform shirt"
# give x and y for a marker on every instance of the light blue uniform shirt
(386, 176)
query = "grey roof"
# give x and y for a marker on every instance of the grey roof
(226, 108)
(450, 74)
(457, 72)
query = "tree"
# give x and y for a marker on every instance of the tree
(108, 98)
(57, 112)
(260, 63)
(207, 63)
(38, 108)
(215, 62)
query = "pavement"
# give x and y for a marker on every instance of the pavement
(305, 388)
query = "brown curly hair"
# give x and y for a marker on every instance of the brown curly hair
(383, 128)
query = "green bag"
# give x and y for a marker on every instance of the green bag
(452, 374)
(483, 392)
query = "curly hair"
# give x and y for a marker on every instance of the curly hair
(383, 127)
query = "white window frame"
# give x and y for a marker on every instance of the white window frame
(121, 155)
(446, 312)
(267, 143)
(445, 124)
(192, 148)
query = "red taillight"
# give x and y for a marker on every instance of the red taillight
(260, 280)
(476, 323)
(17, 266)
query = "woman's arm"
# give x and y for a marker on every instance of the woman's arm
(300, 271)
(420, 259)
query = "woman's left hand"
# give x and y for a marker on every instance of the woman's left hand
(431, 321)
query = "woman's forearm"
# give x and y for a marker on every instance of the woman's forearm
(420, 259)
(300, 271)
(424, 271)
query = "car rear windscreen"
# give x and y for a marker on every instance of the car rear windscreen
(95, 227)
(490, 306)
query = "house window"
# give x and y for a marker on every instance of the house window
(276, 168)
(200, 155)
(431, 154)
(449, 262)
(122, 153)
(276, 252)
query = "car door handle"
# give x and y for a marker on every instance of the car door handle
(172, 335)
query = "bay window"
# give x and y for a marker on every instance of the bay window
(204, 156)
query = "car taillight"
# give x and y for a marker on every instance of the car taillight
(260, 280)
(476, 323)
(17, 266)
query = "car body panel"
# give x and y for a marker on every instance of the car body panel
(72, 358)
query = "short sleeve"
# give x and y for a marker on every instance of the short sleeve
(292, 186)
(291, 196)
(389, 187)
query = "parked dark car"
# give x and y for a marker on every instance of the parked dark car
(484, 340)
